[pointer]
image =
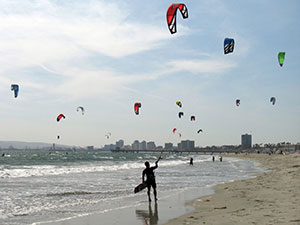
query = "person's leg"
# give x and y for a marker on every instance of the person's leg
(154, 190)
(148, 192)
(155, 194)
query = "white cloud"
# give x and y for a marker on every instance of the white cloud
(202, 66)
(43, 32)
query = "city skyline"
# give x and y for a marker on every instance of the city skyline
(106, 56)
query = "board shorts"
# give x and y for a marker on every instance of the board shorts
(151, 183)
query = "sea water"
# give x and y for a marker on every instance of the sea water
(37, 187)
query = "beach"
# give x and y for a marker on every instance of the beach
(243, 189)
(272, 197)
(79, 187)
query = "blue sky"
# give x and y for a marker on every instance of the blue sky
(106, 55)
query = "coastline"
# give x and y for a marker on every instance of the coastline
(272, 197)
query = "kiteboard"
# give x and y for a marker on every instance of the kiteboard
(140, 187)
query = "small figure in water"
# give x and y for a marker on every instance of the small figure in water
(150, 178)
(3, 154)
(213, 158)
(221, 159)
(191, 161)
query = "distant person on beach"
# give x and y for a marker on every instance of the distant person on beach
(221, 159)
(150, 178)
(191, 161)
(213, 158)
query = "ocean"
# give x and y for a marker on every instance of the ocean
(38, 187)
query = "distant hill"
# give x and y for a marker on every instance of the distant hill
(29, 145)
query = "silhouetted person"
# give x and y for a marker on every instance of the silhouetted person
(213, 158)
(191, 161)
(150, 178)
(221, 159)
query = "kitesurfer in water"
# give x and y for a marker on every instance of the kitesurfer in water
(150, 178)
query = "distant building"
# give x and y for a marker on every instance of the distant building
(135, 145)
(109, 147)
(143, 145)
(186, 145)
(159, 147)
(246, 141)
(179, 146)
(119, 144)
(90, 147)
(127, 147)
(168, 146)
(151, 145)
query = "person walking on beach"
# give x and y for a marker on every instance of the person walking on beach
(148, 172)
(213, 158)
(191, 161)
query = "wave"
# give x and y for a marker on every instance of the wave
(107, 166)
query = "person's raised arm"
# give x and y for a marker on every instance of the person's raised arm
(156, 163)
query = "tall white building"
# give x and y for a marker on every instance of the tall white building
(151, 145)
(135, 145)
(168, 146)
(143, 145)
(186, 145)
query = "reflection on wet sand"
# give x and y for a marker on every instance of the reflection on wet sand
(147, 216)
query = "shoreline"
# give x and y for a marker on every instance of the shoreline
(168, 208)
(272, 197)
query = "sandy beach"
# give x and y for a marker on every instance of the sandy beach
(270, 198)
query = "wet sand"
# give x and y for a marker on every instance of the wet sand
(271, 198)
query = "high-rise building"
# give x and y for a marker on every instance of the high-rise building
(246, 141)
(186, 145)
(135, 145)
(120, 144)
(168, 146)
(143, 145)
(151, 145)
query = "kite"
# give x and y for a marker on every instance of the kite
(180, 114)
(15, 88)
(273, 100)
(281, 56)
(137, 106)
(108, 135)
(228, 45)
(81, 109)
(171, 15)
(59, 117)
(179, 103)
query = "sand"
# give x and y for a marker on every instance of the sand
(271, 198)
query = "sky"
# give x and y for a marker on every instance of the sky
(107, 55)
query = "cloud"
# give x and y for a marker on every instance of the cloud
(44, 32)
(60, 38)
(195, 66)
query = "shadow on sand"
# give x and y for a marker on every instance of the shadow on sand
(148, 216)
